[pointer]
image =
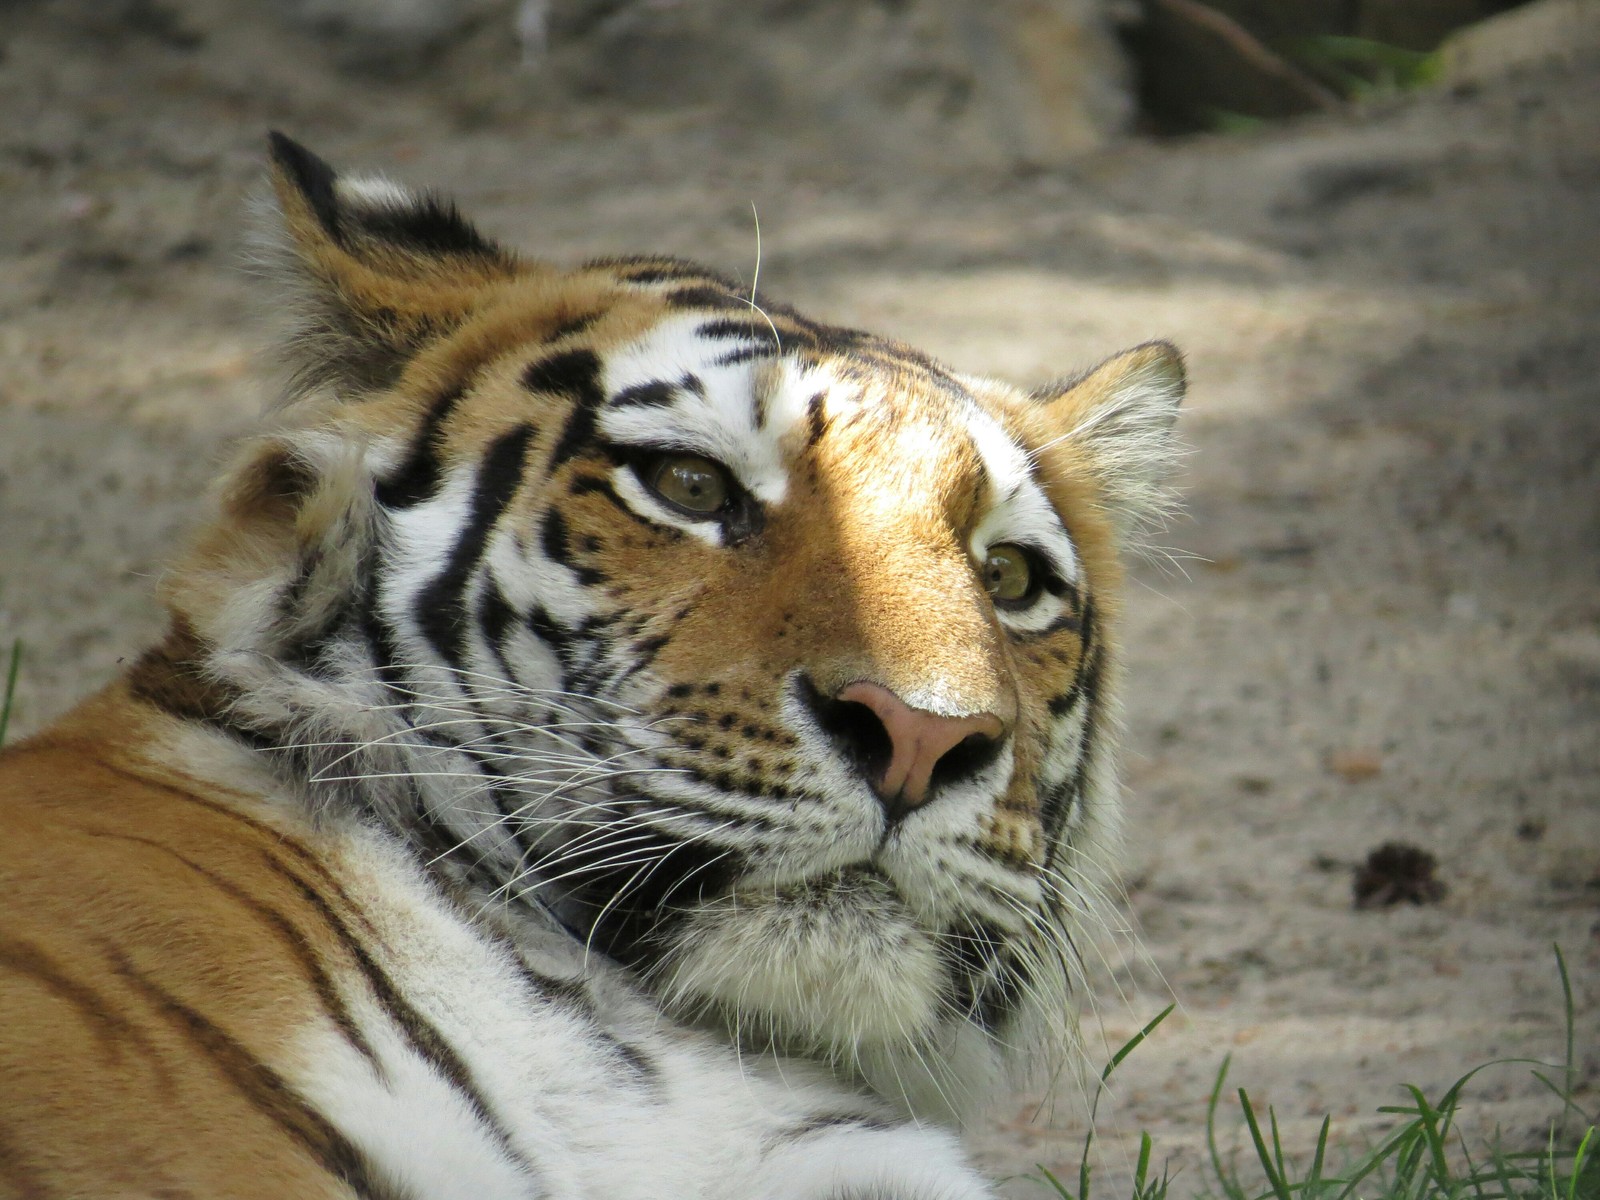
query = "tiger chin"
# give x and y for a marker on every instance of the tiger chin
(616, 737)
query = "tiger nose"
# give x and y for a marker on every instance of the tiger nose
(921, 743)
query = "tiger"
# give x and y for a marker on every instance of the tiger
(614, 736)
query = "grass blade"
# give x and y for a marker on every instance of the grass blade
(1279, 1187)
(1133, 1043)
(1580, 1160)
(11, 688)
(1142, 1167)
(1060, 1187)
(1313, 1185)
(1229, 1184)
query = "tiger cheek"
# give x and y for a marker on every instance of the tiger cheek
(729, 630)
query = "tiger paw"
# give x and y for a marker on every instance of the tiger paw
(858, 1163)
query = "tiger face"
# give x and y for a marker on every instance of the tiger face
(771, 658)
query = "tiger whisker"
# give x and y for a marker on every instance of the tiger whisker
(635, 882)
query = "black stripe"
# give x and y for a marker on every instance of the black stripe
(747, 354)
(657, 393)
(703, 296)
(424, 1038)
(495, 618)
(110, 1027)
(571, 327)
(299, 948)
(640, 1065)
(825, 1123)
(1063, 704)
(375, 629)
(634, 900)
(263, 1087)
(440, 607)
(418, 477)
(836, 339)
(727, 329)
(985, 982)
(661, 274)
(427, 225)
(651, 269)
(277, 838)
(572, 994)
(314, 178)
(542, 626)
(558, 548)
(816, 418)
(553, 537)
(574, 997)
(28, 1182)
(306, 651)
(575, 376)
(1055, 804)
(758, 406)
(583, 485)
(1071, 617)
(645, 650)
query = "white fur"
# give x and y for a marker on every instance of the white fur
(721, 425)
(373, 192)
(1020, 513)
(707, 1125)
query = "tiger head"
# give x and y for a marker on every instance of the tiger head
(771, 659)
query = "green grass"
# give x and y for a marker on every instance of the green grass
(1360, 68)
(1353, 68)
(1145, 1186)
(1425, 1158)
(11, 688)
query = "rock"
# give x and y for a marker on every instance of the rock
(1545, 31)
(1355, 766)
(1420, 24)
(385, 37)
(1397, 873)
(1197, 61)
(993, 84)
(1202, 62)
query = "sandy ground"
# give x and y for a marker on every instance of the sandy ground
(1383, 616)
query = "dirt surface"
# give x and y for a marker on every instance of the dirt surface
(1382, 621)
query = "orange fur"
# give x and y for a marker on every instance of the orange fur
(157, 947)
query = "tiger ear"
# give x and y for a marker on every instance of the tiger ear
(1121, 414)
(375, 272)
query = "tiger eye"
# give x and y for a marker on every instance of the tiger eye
(694, 484)
(1007, 573)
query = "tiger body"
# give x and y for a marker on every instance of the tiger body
(613, 740)
(273, 1010)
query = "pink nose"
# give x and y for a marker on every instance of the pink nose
(918, 740)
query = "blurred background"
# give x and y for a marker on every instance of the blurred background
(1372, 225)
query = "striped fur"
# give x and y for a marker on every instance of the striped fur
(488, 824)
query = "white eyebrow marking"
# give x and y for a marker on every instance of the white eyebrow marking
(676, 388)
(1021, 512)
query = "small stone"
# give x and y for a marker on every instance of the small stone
(1354, 766)
(1397, 873)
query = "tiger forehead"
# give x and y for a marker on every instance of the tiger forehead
(658, 355)
(733, 389)
(751, 326)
